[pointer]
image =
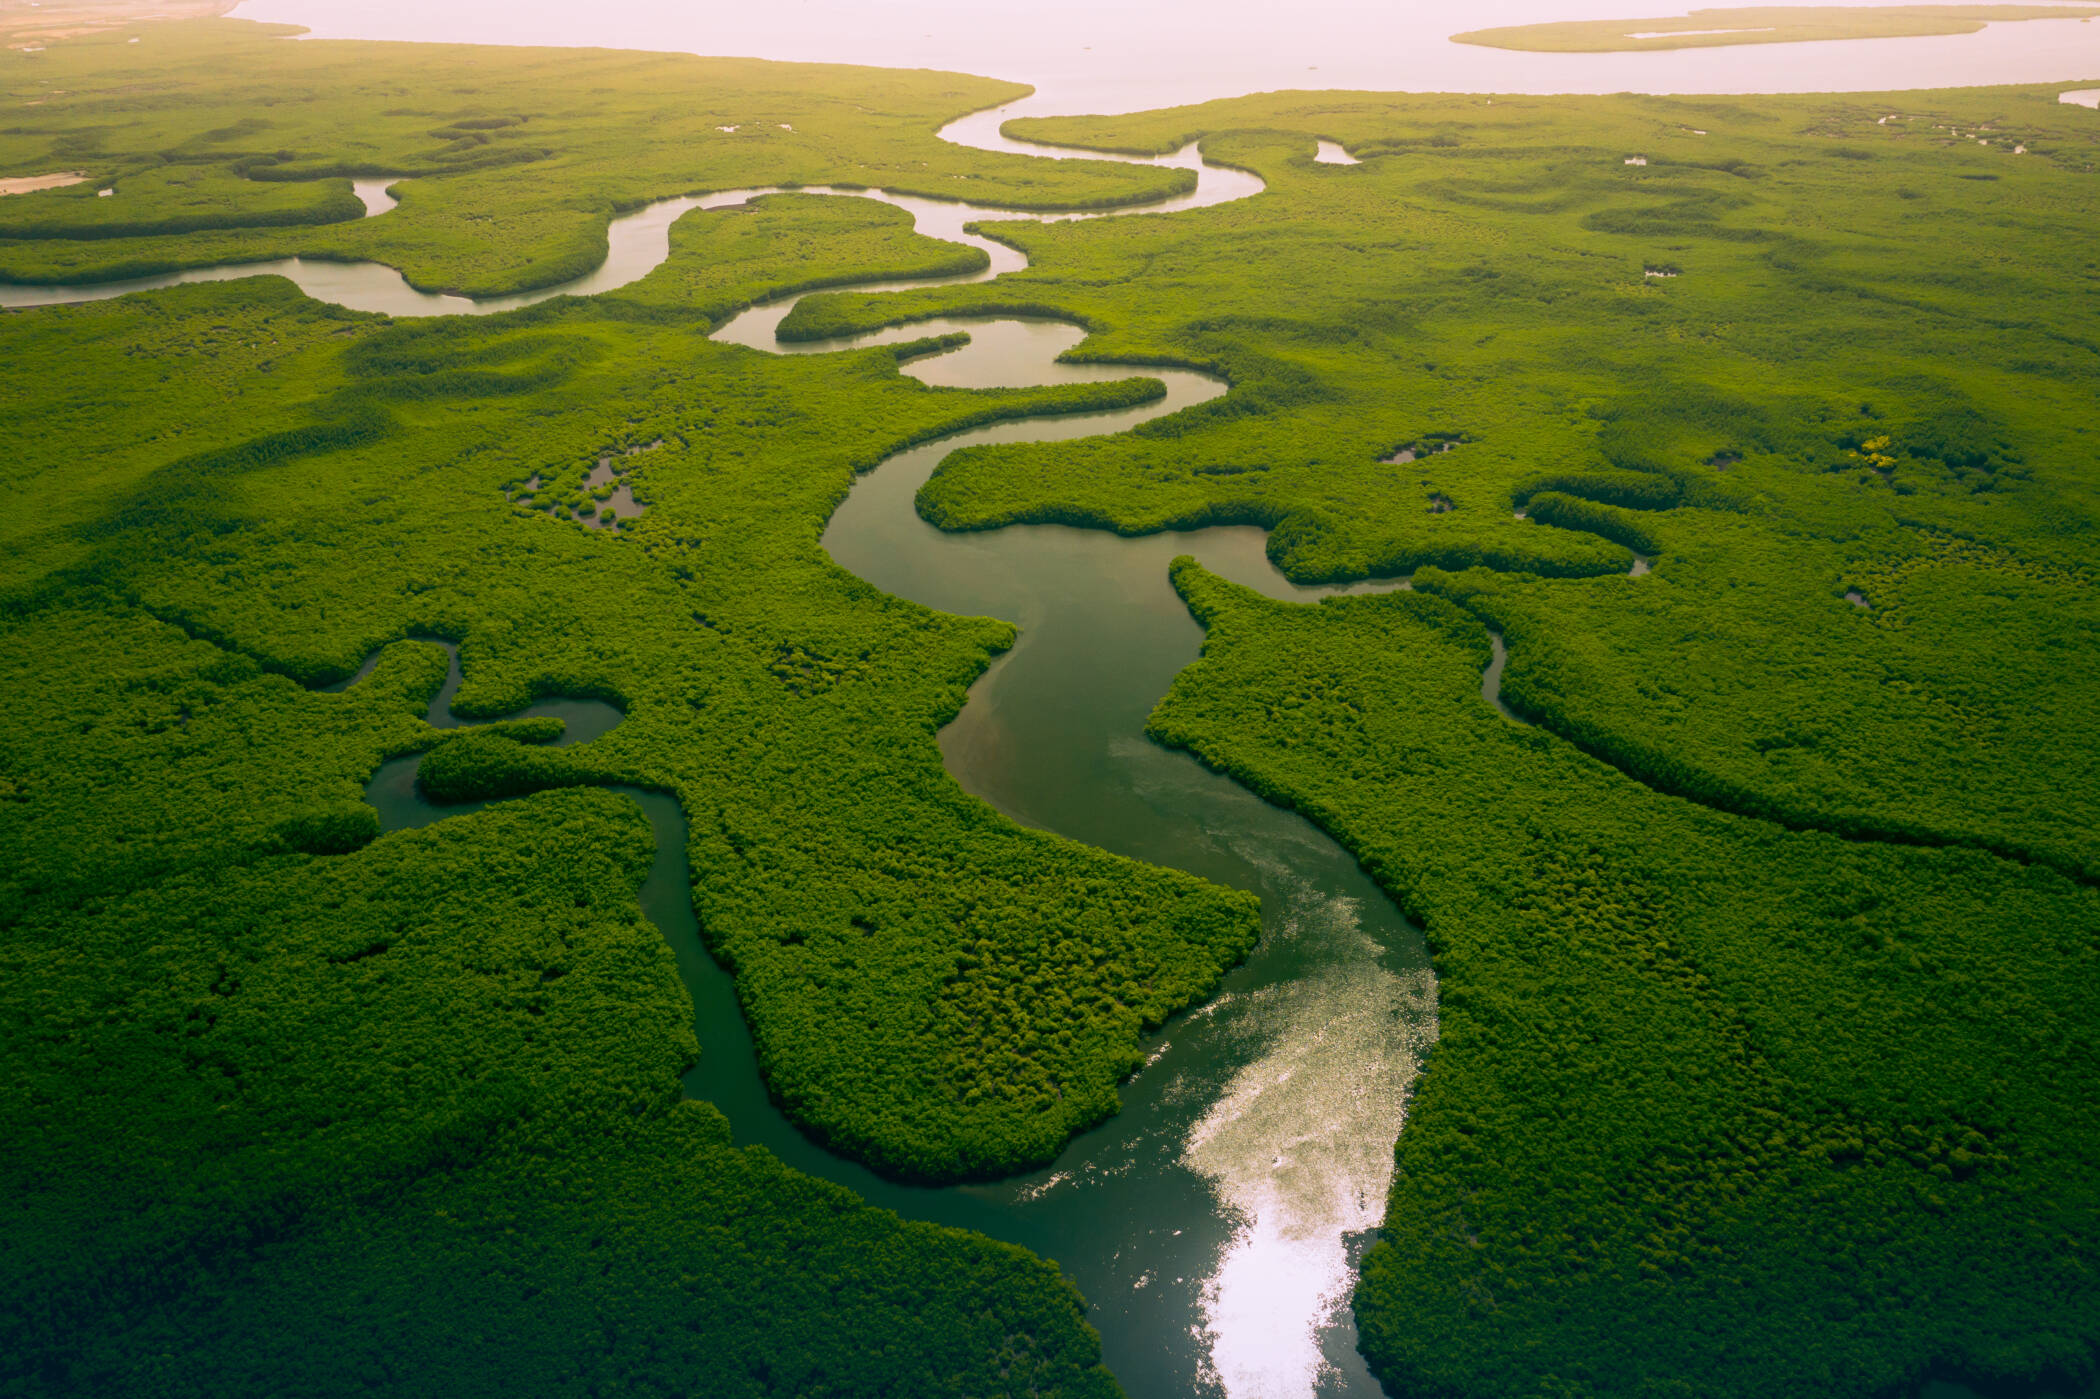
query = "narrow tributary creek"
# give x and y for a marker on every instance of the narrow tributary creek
(1213, 1224)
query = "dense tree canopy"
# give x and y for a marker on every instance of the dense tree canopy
(1766, 949)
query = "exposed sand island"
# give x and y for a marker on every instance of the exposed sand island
(1784, 24)
(30, 184)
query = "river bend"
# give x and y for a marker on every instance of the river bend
(1214, 1224)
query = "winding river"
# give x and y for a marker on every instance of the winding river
(1214, 1223)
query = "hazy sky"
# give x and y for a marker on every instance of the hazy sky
(1119, 55)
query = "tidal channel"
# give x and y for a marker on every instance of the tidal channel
(1215, 1223)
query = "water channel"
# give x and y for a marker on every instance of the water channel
(1214, 1224)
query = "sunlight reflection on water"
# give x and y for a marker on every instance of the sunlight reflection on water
(1298, 1149)
(1295, 1145)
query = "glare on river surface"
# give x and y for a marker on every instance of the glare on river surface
(1295, 1142)
(1299, 1151)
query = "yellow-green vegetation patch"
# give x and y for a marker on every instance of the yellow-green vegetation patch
(1764, 24)
(1807, 406)
(36, 25)
(1768, 950)
(176, 199)
(511, 161)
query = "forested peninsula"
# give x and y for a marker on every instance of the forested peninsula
(1766, 929)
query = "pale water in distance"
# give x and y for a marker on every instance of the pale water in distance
(1131, 55)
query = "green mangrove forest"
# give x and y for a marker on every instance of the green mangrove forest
(1761, 431)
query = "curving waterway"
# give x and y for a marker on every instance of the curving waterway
(1214, 1224)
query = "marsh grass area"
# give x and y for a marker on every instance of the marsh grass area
(1766, 947)
(1768, 24)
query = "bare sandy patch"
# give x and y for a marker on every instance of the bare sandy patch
(30, 184)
